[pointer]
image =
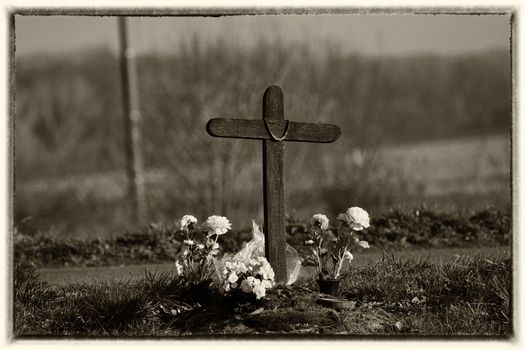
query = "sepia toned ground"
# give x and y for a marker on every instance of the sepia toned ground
(462, 297)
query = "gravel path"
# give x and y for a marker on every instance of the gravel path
(106, 273)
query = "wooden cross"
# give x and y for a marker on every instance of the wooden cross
(273, 130)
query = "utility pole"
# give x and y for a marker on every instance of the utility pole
(132, 120)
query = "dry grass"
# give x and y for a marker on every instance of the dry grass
(469, 296)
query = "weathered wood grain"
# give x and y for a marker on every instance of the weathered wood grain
(273, 187)
(254, 129)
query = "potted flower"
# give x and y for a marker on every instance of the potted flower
(196, 265)
(328, 251)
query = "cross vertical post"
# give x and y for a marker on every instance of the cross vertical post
(273, 186)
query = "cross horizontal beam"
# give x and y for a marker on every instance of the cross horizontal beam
(255, 129)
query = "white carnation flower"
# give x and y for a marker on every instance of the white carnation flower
(187, 221)
(320, 220)
(356, 218)
(217, 225)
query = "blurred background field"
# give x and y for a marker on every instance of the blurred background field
(421, 128)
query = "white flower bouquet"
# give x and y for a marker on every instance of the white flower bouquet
(196, 265)
(247, 272)
(328, 251)
(249, 276)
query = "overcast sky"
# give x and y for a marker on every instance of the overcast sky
(366, 34)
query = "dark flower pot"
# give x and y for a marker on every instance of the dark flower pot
(200, 292)
(329, 286)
